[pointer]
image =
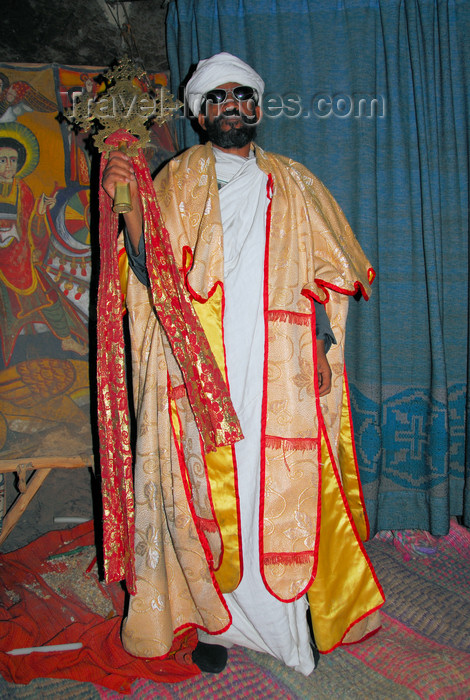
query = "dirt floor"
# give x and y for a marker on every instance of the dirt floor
(65, 494)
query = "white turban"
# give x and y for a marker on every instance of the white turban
(217, 70)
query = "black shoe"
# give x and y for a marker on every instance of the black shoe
(210, 658)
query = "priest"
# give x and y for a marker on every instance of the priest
(251, 538)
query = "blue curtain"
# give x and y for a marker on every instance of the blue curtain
(373, 97)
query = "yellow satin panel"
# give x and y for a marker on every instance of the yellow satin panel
(348, 467)
(221, 477)
(344, 589)
(220, 464)
(174, 420)
(123, 265)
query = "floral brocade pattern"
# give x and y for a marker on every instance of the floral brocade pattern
(175, 586)
(312, 252)
(179, 542)
(113, 414)
(207, 392)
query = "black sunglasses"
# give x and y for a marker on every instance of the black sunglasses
(241, 93)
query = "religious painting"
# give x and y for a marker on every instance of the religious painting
(48, 258)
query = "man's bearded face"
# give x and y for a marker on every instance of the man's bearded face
(230, 129)
(231, 124)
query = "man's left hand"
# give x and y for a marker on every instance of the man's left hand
(323, 370)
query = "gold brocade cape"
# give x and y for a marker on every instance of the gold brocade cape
(188, 545)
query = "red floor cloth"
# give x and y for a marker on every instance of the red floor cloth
(47, 596)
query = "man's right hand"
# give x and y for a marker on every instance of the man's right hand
(120, 169)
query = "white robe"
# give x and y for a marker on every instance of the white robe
(260, 621)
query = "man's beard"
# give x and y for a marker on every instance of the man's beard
(236, 136)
